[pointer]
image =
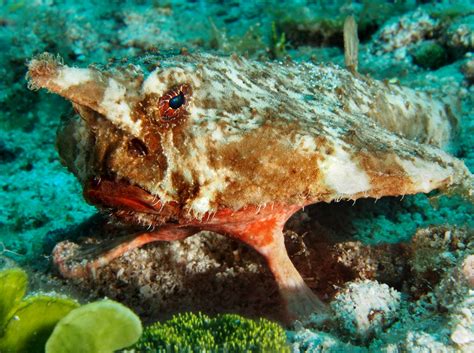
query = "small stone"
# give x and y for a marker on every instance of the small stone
(468, 270)
(468, 70)
(460, 34)
(146, 291)
(365, 308)
(462, 336)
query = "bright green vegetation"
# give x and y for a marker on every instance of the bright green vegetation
(99, 327)
(33, 322)
(12, 288)
(27, 324)
(57, 324)
(190, 332)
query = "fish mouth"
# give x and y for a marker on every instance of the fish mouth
(129, 202)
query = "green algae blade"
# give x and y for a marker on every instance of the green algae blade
(13, 284)
(100, 327)
(32, 323)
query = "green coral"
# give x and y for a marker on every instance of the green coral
(197, 332)
(429, 55)
(100, 327)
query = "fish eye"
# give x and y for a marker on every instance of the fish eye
(177, 101)
(172, 104)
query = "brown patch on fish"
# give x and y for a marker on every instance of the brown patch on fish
(387, 177)
(184, 189)
(269, 170)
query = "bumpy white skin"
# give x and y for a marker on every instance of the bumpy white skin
(361, 136)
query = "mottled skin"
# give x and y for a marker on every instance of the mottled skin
(237, 146)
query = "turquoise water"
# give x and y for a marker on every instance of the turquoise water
(427, 46)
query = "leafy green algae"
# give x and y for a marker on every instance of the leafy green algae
(13, 284)
(33, 322)
(100, 327)
(26, 323)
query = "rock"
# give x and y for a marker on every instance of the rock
(468, 70)
(468, 270)
(460, 34)
(396, 36)
(364, 308)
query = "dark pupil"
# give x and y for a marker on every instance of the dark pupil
(177, 101)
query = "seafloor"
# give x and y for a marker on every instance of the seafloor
(398, 272)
